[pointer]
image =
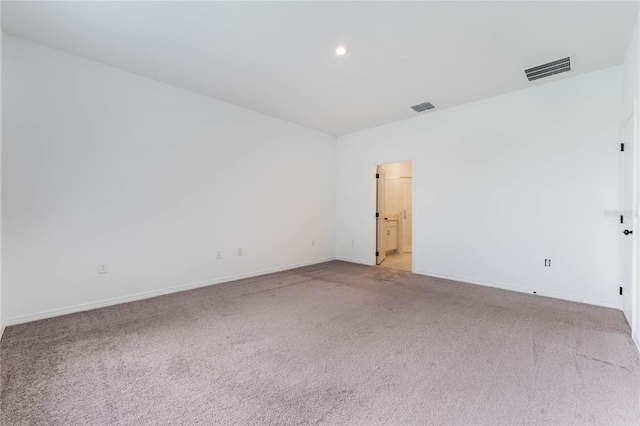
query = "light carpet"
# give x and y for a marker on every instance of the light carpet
(334, 343)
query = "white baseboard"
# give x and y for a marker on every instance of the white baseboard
(149, 294)
(1, 330)
(636, 340)
(352, 260)
(503, 286)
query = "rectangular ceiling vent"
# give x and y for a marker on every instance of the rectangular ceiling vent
(422, 107)
(549, 69)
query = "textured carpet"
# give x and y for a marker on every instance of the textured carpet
(333, 343)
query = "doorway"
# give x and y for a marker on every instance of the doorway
(629, 219)
(394, 215)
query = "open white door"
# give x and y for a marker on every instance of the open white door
(629, 218)
(381, 235)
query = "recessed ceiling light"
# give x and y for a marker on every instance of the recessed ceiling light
(341, 50)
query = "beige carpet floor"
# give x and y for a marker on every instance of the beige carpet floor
(335, 343)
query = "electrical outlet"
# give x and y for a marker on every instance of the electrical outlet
(103, 267)
(547, 262)
(239, 252)
(353, 243)
(313, 243)
(219, 254)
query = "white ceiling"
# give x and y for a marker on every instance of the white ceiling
(278, 57)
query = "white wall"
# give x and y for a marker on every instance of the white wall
(103, 165)
(631, 72)
(1, 144)
(100, 164)
(500, 185)
(631, 94)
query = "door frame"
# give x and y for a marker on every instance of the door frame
(380, 246)
(635, 223)
(635, 290)
(373, 203)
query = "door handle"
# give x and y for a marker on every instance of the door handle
(627, 232)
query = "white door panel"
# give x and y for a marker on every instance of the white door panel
(629, 217)
(381, 229)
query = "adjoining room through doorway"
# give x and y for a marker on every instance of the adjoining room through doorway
(394, 219)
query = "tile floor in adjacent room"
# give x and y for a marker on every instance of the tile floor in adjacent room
(400, 261)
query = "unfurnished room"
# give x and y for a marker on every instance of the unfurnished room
(319, 212)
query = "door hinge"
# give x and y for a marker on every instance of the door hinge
(377, 214)
(377, 175)
(621, 147)
(621, 219)
(377, 253)
(620, 291)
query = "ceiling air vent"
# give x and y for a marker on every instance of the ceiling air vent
(546, 70)
(422, 107)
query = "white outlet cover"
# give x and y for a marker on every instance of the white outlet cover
(239, 252)
(103, 267)
(219, 254)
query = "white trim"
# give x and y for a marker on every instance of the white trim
(353, 260)
(2, 327)
(149, 294)
(414, 215)
(503, 286)
(372, 217)
(636, 340)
